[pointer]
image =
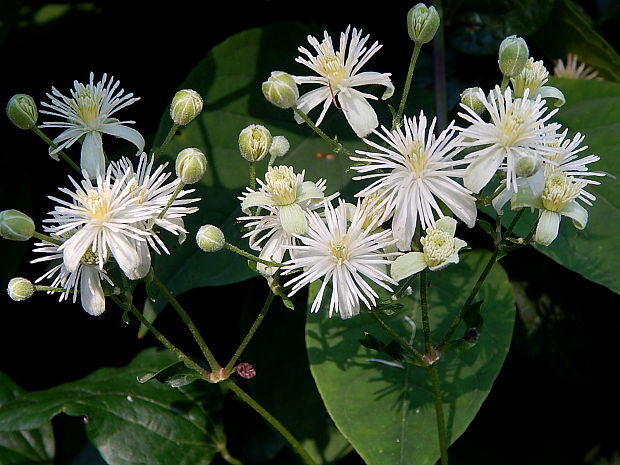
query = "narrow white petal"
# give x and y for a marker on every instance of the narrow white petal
(577, 213)
(552, 92)
(408, 264)
(126, 255)
(91, 292)
(481, 170)
(125, 132)
(255, 199)
(548, 227)
(358, 112)
(92, 160)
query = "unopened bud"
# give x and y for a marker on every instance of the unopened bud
(513, 54)
(422, 23)
(527, 164)
(22, 111)
(474, 99)
(191, 165)
(279, 146)
(210, 238)
(254, 142)
(281, 90)
(20, 289)
(186, 105)
(16, 226)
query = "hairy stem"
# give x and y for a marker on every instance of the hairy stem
(176, 192)
(397, 121)
(249, 256)
(441, 426)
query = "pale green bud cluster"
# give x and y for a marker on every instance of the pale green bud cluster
(254, 142)
(16, 226)
(22, 111)
(422, 23)
(527, 164)
(281, 90)
(210, 238)
(20, 289)
(191, 165)
(473, 98)
(186, 105)
(279, 146)
(513, 55)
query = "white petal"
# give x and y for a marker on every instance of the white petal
(481, 170)
(504, 196)
(309, 191)
(526, 197)
(548, 227)
(446, 224)
(92, 159)
(293, 219)
(310, 100)
(407, 264)
(125, 132)
(91, 292)
(144, 264)
(553, 92)
(255, 199)
(371, 77)
(358, 112)
(126, 255)
(75, 247)
(577, 213)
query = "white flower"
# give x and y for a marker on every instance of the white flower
(415, 169)
(516, 128)
(439, 249)
(87, 112)
(345, 255)
(286, 197)
(573, 69)
(85, 280)
(533, 76)
(338, 75)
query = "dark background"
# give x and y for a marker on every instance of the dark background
(556, 399)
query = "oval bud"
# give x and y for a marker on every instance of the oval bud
(210, 238)
(281, 90)
(22, 111)
(422, 23)
(279, 146)
(20, 289)
(16, 226)
(186, 105)
(527, 164)
(473, 97)
(191, 165)
(513, 54)
(254, 142)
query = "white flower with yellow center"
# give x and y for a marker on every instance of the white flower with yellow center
(414, 170)
(517, 127)
(338, 74)
(439, 249)
(574, 69)
(87, 113)
(533, 77)
(347, 255)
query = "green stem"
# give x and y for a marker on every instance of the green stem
(426, 326)
(394, 335)
(48, 288)
(248, 337)
(337, 146)
(439, 73)
(252, 175)
(441, 427)
(188, 322)
(172, 199)
(167, 140)
(397, 121)
(511, 226)
(272, 421)
(505, 81)
(46, 238)
(249, 256)
(61, 154)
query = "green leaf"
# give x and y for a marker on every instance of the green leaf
(472, 317)
(486, 227)
(387, 413)
(129, 423)
(175, 375)
(32, 446)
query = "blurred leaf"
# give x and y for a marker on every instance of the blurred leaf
(387, 413)
(28, 447)
(129, 423)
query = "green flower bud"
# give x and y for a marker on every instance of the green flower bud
(527, 164)
(279, 146)
(281, 90)
(254, 142)
(191, 165)
(210, 238)
(473, 97)
(20, 289)
(513, 54)
(16, 226)
(186, 105)
(22, 111)
(422, 23)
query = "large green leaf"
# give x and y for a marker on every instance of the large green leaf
(386, 412)
(34, 446)
(129, 423)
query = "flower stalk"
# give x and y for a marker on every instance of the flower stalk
(337, 146)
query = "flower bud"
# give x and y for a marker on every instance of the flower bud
(422, 23)
(186, 105)
(513, 54)
(281, 90)
(210, 238)
(16, 226)
(20, 289)
(473, 97)
(22, 111)
(254, 142)
(279, 146)
(526, 164)
(191, 165)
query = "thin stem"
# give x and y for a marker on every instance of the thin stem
(394, 335)
(167, 140)
(252, 175)
(249, 256)
(46, 238)
(188, 322)
(426, 326)
(295, 444)
(439, 73)
(48, 288)
(441, 427)
(396, 122)
(337, 146)
(248, 337)
(60, 153)
(512, 224)
(176, 192)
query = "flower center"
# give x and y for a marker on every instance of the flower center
(88, 104)
(559, 190)
(331, 65)
(512, 127)
(282, 185)
(533, 76)
(98, 208)
(417, 158)
(438, 246)
(339, 249)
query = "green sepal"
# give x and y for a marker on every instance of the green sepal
(486, 227)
